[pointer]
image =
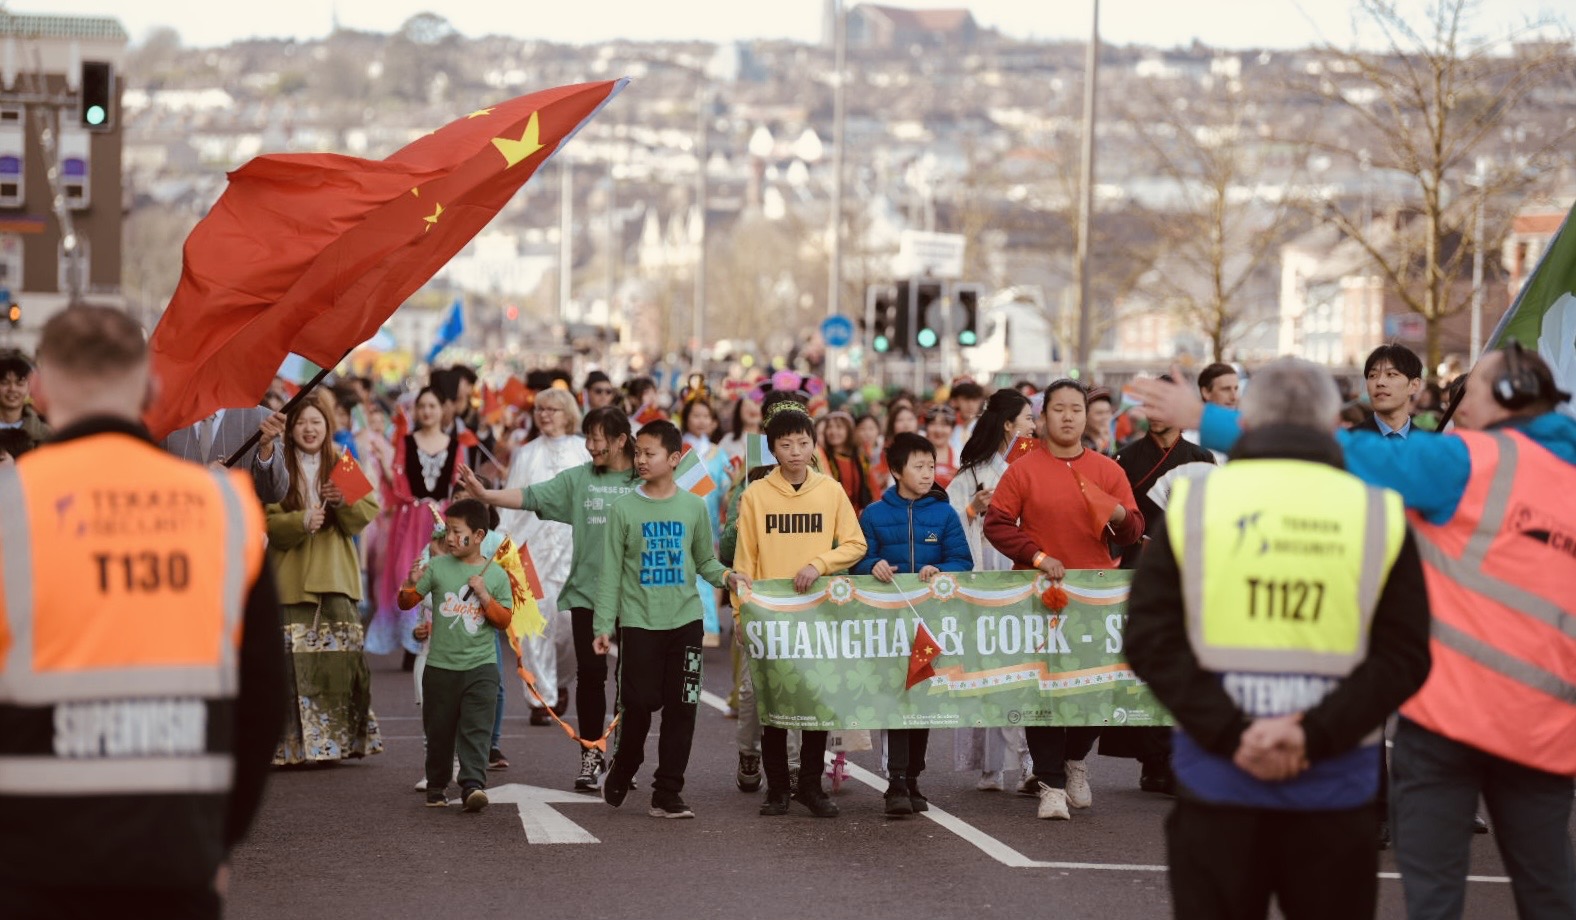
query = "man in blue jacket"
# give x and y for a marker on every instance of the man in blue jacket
(911, 530)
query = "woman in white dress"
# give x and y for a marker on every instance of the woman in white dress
(559, 447)
(994, 752)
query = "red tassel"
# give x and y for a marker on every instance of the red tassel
(1054, 598)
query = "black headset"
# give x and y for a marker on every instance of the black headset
(1517, 385)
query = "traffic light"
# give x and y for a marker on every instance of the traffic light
(883, 321)
(927, 319)
(98, 95)
(14, 314)
(968, 313)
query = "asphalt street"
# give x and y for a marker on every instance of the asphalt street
(353, 840)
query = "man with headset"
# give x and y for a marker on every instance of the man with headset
(1493, 508)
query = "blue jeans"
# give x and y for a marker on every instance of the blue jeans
(1434, 787)
(505, 652)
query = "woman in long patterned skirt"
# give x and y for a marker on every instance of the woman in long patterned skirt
(313, 553)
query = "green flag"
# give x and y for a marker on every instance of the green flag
(1544, 314)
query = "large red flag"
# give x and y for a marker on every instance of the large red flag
(311, 253)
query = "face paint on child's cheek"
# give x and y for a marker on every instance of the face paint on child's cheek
(465, 542)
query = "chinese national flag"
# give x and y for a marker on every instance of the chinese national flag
(311, 253)
(517, 394)
(1101, 503)
(347, 475)
(925, 650)
(1021, 447)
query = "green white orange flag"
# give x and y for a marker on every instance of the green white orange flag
(692, 474)
(311, 253)
(1544, 314)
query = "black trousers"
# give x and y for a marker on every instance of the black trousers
(774, 757)
(1052, 746)
(98, 903)
(590, 676)
(658, 669)
(906, 750)
(1437, 784)
(1226, 863)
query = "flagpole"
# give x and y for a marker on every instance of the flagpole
(301, 394)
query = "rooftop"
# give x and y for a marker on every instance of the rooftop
(38, 25)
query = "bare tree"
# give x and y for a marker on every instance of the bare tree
(1219, 237)
(1439, 105)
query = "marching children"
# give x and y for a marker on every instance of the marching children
(795, 523)
(470, 599)
(658, 540)
(912, 529)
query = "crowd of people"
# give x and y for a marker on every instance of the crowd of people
(631, 562)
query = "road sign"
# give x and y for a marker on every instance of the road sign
(936, 255)
(837, 331)
(543, 823)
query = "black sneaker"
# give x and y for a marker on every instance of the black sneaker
(748, 776)
(776, 803)
(916, 799)
(669, 805)
(1030, 785)
(614, 789)
(1479, 824)
(496, 760)
(896, 799)
(437, 799)
(813, 797)
(590, 771)
(474, 799)
(793, 781)
(539, 716)
(1158, 778)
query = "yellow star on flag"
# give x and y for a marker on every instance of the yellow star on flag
(432, 219)
(516, 150)
(479, 113)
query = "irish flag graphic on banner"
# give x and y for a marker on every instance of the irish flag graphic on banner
(1544, 314)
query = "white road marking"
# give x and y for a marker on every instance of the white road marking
(1003, 853)
(542, 822)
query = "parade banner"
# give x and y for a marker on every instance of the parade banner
(841, 655)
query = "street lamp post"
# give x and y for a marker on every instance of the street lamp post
(702, 153)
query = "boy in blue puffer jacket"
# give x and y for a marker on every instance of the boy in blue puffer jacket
(912, 529)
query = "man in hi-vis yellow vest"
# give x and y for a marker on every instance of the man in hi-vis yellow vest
(141, 672)
(1279, 614)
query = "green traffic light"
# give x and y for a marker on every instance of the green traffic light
(96, 115)
(881, 343)
(926, 338)
(967, 337)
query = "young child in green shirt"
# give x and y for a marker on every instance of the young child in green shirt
(658, 539)
(470, 599)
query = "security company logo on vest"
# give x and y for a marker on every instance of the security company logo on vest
(1542, 527)
(662, 560)
(795, 523)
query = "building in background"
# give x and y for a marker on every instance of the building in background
(61, 203)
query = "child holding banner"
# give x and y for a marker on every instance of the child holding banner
(795, 523)
(658, 540)
(912, 529)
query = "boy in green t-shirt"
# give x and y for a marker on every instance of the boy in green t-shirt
(470, 599)
(658, 539)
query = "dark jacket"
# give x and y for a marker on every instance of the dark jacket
(1146, 463)
(913, 534)
(1157, 644)
(87, 842)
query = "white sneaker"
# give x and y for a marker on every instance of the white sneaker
(1053, 804)
(989, 782)
(1078, 793)
(421, 784)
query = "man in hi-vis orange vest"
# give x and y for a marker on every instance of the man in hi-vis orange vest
(1493, 508)
(141, 673)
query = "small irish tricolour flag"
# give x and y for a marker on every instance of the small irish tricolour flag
(757, 452)
(692, 473)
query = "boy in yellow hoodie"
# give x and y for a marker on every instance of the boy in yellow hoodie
(795, 523)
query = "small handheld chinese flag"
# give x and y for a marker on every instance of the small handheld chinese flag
(925, 650)
(347, 475)
(1020, 447)
(1101, 503)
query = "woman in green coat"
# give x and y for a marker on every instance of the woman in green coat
(311, 544)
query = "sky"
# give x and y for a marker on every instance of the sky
(1161, 23)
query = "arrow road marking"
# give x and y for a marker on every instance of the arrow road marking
(542, 822)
